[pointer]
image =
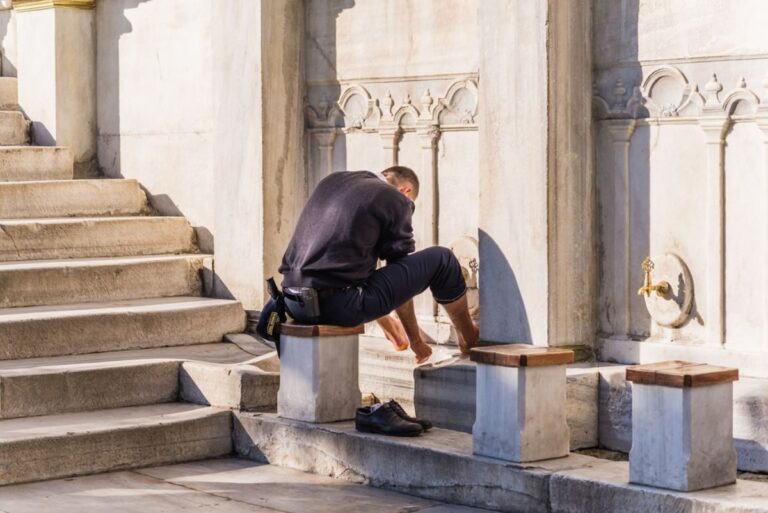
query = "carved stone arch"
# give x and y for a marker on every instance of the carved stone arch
(741, 100)
(459, 104)
(406, 115)
(667, 92)
(359, 109)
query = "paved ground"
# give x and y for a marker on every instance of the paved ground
(219, 486)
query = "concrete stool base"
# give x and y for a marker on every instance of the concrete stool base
(521, 405)
(682, 431)
(319, 374)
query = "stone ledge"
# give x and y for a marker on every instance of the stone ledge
(440, 465)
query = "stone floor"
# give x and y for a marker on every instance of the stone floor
(222, 486)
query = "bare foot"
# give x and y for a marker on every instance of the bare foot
(394, 331)
(422, 351)
(465, 346)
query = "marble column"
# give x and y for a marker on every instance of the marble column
(715, 128)
(537, 191)
(56, 68)
(621, 131)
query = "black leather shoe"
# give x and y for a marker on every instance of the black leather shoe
(385, 421)
(425, 424)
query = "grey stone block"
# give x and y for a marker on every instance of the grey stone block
(615, 409)
(682, 438)
(241, 387)
(521, 413)
(445, 394)
(319, 378)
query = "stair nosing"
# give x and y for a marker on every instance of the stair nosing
(96, 261)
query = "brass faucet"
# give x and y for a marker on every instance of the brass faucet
(661, 288)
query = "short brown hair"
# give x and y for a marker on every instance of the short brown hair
(398, 174)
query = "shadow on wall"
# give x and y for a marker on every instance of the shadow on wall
(7, 68)
(108, 74)
(323, 119)
(623, 167)
(502, 297)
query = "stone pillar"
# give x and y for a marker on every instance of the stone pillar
(56, 67)
(537, 191)
(258, 157)
(390, 139)
(715, 128)
(621, 131)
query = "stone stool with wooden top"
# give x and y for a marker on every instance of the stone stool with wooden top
(319, 372)
(682, 425)
(521, 409)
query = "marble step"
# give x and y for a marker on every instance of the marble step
(67, 384)
(9, 93)
(54, 446)
(440, 465)
(68, 198)
(71, 386)
(14, 128)
(60, 282)
(27, 163)
(80, 237)
(70, 329)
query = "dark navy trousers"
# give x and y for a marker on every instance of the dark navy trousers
(393, 285)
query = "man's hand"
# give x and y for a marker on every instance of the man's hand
(394, 331)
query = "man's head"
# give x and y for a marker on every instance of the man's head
(404, 180)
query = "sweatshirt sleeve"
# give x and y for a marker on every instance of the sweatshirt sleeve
(397, 235)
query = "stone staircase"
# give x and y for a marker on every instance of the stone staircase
(100, 312)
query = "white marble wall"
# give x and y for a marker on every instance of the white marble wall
(681, 102)
(200, 100)
(395, 82)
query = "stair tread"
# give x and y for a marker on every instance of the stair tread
(216, 353)
(122, 306)
(81, 423)
(96, 219)
(95, 261)
(66, 182)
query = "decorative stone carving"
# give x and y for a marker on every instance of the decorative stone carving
(741, 97)
(325, 115)
(459, 105)
(360, 110)
(667, 93)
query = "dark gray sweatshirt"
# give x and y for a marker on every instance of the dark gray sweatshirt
(352, 219)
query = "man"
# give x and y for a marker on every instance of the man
(351, 221)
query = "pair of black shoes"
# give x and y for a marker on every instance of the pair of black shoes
(389, 419)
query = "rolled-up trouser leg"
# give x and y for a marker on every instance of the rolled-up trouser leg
(393, 285)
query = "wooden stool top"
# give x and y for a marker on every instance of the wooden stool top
(293, 329)
(520, 355)
(679, 374)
